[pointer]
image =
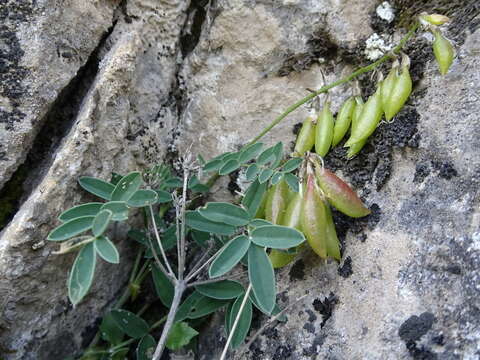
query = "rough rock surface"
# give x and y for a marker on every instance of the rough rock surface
(132, 86)
(117, 118)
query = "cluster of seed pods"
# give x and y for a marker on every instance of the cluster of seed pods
(362, 118)
(309, 210)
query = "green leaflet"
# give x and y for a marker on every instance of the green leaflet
(146, 347)
(71, 228)
(205, 306)
(180, 335)
(127, 186)
(110, 331)
(81, 274)
(97, 187)
(277, 237)
(262, 277)
(107, 250)
(243, 325)
(229, 256)
(88, 209)
(196, 221)
(222, 290)
(119, 210)
(226, 213)
(163, 287)
(101, 221)
(250, 153)
(131, 324)
(142, 198)
(253, 197)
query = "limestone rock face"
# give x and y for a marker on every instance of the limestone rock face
(121, 122)
(91, 87)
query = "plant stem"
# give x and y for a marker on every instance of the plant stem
(197, 271)
(179, 289)
(237, 320)
(183, 204)
(167, 264)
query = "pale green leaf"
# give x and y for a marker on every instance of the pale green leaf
(245, 320)
(292, 182)
(88, 209)
(143, 198)
(277, 236)
(229, 256)
(262, 277)
(229, 167)
(253, 197)
(250, 152)
(71, 228)
(119, 210)
(264, 175)
(205, 306)
(252, 172)
(81, 274)
(101, 221)
(97, 187)
(127, 186)
(223, 212)
(196, 221)
(225, 289)
(292, 164)
(107, 250)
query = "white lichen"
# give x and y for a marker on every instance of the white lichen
(376, 46)
(385, 12)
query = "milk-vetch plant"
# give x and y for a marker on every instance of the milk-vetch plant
(208, 256)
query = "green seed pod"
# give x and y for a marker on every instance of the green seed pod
(355, 148)
(368, 120)
(276, 202)
(324, 131)
(444, 53)
(400, 92)
(291, 217)
(333, 245)
(340, 194)
(314, 218)
(388, 84)
(306, 137)
(435, 19)
(280, 258)
(343, 121)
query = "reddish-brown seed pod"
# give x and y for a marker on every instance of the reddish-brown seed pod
(340, 194)
(333, 245)
(314, 218)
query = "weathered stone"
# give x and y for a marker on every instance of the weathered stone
(123, 123)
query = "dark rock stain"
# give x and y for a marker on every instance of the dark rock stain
(12, 73)
(309, 327)
(316, 345)
(346, 269)
(415, 326)
(297, 271)
(325, 307)
(283, 352)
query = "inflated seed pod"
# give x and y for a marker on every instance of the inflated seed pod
(306, 137)
(280, 258)
(291, 217)
(333, 245)
(387, 85)
(368, 120)
(276, 202)
(314, 218)
(355, 148)
(444, 53)
(324, 130)
(401, 90)
(340, 194)
(343, 121)
(435, 19)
